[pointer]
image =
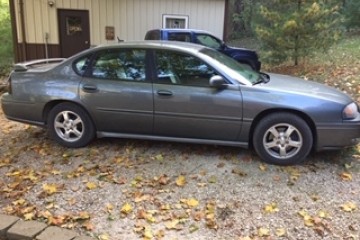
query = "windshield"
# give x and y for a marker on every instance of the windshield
(234, 69)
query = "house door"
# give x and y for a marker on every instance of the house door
(74, 31)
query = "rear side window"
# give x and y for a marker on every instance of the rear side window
(182, 37)
(123, 64)
(153, 35)
(82, 64)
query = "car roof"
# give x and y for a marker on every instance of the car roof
(180, 30)
(155, 44)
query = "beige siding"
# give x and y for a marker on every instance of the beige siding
(131, 18)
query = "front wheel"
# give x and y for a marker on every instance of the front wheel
(282, 139)
(70, 125)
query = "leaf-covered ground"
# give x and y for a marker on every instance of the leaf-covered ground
(126, 189)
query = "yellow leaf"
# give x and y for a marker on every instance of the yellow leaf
(29, 216)
(309, 222)
(271, 208)
(323, 214)
(280, 232)
(109, 207)
(19, 202)
(349, 207)
(82, 216)
(55, 172)
(148, 234)
(192, 202)
(263, 232)
(212, 179)
(50, 188)
(263, 167)
(303, 213)
(172, 224)
(245, 238)
(346, 176)
(181, 181)
(159, 157)
(104, 237)
(126, 208)
(91, 185)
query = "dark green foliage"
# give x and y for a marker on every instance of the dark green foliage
(242, 12)
(351, 13)
(295, 29)
(6, 49)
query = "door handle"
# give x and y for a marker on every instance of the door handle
(90, 88)
(164, 93)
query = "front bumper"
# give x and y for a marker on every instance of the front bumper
(336, 136)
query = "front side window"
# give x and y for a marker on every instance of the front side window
(208, 41)
(124, 64)
(182, 69)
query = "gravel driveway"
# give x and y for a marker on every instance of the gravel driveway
(126, 189)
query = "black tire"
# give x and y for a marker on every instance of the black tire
(282, 139)
(70, 126)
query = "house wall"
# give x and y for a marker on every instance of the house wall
(131, 18)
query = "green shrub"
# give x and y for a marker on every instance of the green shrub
(6, 47)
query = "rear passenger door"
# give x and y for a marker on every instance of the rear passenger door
(185, 106)
(118, 92)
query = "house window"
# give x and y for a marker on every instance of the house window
(175, 21)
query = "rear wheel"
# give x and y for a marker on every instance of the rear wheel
(282, 139)
(70, 125)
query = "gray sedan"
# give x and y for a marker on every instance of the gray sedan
(179, 92)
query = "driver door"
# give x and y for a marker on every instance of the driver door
(185, 106)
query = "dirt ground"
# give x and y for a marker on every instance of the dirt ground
(117, 189)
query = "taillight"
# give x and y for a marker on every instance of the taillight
(8, 85)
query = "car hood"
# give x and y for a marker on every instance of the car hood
(243, 50)
(298, 86)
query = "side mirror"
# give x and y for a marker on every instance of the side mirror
(217, 81)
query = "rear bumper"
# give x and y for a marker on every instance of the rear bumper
(336, 136)
(24, 112)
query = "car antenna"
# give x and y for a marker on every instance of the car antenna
(119, 40)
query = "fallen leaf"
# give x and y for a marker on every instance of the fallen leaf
(126, 209)
(280, 232)
(104, 237)
(159, 157)
(181, 181)
(148, 234)
(239, 172)
(263, 232)
(193, 228)
(29, 216)
(192, 202)
(212, 179)
(172, 224)
(349, 207)
(91, 185)
(345, 176)
(271, 208)
(263, 167)
(50, 189)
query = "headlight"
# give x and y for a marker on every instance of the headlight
(351, 111)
